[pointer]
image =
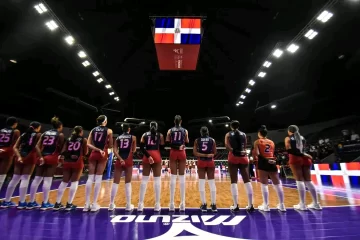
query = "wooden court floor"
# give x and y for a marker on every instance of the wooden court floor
(224, 199)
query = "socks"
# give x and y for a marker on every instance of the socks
(88, 188)
(249, 191)
(2, 180)
(202, 191)
(98, 179)
(182, 188)
(34, 187)
(172, 187)
(128, 193)
(23, 187)
(265, 193)
(11, 187)
(234, 193)
(72, 191)
(114, 189)
(301, 189)
(157, 189)
(280, 192)
(212, 187)
(60, 191)
(143, 185)
(46, 188)
(312, 191)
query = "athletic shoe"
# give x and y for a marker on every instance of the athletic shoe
(112, 207)
(157, 207)
(315, 206)
(46, 206)
(250, 208)
(301, 207)
(87, 207)
(95, 207)
(172, 207)
(58, 206)
(235, 208)
(203, 207)
(5, 204)
(32, 205)
(264, 208)
(140, 207)
(22, 205)
(182, 207)
(129, 207)
(281, 207)
(70, 206)
(213, 208)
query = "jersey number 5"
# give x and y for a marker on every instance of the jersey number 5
(204, 146)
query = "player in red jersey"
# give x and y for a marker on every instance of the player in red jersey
(205, 149)
(100, 140)
(177, 137)
(300, 164)
(264, 154)
(72, 154)
(235, 142)
(25, 160)
(124, 148)
(150, 145)
(49, 148)
(8, 138)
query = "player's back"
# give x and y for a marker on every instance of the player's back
(152, 142)
(50, 142)
(99, 136)
(205, 146)
(6, 136)
(74, 148)
(177, 135)
(124, 144)
(266, 148)
(237, 141)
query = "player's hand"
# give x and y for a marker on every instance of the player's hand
(60, 157)
(122, 162)
(102, 153)
(2, 150)
(151, 160)
(20, 160)
(59, 164)
(210, 155)
(41, 161)
(182, 147)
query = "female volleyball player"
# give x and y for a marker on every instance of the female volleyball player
(124, 147)
(235, 142)
(8, 138)
(100, 139)
(72, 154)
(26, 158)
(150, 145)
(49, 147)
(300, 164)
(264, 154)
(205, 149)
(177, 137)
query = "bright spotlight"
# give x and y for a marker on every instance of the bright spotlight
(52, 25)
(86, 63)
(100, 80)
(277, 53)
(242, 96)
(311, 34)
(210, 121)
(267, 64)
(112, 93)
(325, 16)
(226, 125)
(40, 8)
(116, 98)
(261, 74)
(293, 48)
(252, 82)
(273, 106)
(13, 61)
(82, 54)
(108, 86)
(248, 90)
(96, 73)
(237, 104)
(241, 103)
(70, 40)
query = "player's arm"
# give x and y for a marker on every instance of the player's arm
(90, 144)
(38, 146)
(256, 151)
(110, 138)
(84, 146)
(64, 149)
(214, 148)
(142, 146)
(287, 143)
(227, 143)
(16, 136)
(116, 151)
(61, 140)
(186, 136)
(16, 148)
(133, 144)
(168, 136)
(162, 142)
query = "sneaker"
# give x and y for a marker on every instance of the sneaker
(157, 207)
(95, 207)
(140, 207)
(112, 207)
(32, 205)
(281, 207)
(70, 206)
(182, 207)
(250, 208)
(203, 207)
(87, 207)
(22, 205)
(235, 208)
(264, 208)
(315, 206)
(129, 207)
(58, 206)
(301, 207)
(46, 206)
(213, 207)
(5, 204)
(172, 207)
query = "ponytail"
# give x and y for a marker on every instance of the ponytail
(153, 128)
(76, 132)
(33, 125)
(204, 131)
(177, 120)
(295, 130)
(56, 122)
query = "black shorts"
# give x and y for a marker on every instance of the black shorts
(264, 165)
(237, 166)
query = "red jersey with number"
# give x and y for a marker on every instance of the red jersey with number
(266, 148)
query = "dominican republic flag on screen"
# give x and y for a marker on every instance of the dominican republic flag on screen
(178, 30)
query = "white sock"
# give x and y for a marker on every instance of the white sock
(280, 192)
(265, 193)
(72, 191)
(46, 188)
(312, 191)
(212, 187)
(34, 187)
(143, 185)
(23, 187)
(182, 188)
(157, 187)
(98, 180)
(249, 191)
(114, 189)
(11, 187)
(128, 193)
(2, 180)
(60, 191)
(234, 193)
(172, 187)
(202, 191)
(301, 189)
(88, 188)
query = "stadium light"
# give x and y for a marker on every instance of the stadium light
(241, 103)
(210, 121)
(273, 106)
(267, 64)
(108, 86)
(99, 80)
(70, 40)
(86, 63)
(40, 8)
(293, 48)
(116, 98)
(96, 73)
(82, 54)
(226, 125)
(325, 16)
(277, 53)
(52, 25)
(261, 74)
(248, 90)
(112, 93)
(311, 34)
(13, 61)
(242, 97)
(252, 82)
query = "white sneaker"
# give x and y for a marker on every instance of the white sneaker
(112, 207)
(95, 207)
(315, 206)
(129, 207)
(264, 208)
(182, 207)
(86, 207)
(281, 207)
(172, 207)
(301, 207)
(140, 207)
(157, 207)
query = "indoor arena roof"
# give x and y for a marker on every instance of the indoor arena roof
(39, 66)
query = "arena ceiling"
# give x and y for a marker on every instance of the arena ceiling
(318, 82)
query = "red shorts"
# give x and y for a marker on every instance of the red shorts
(96, 156)
(155, 154)
(128, 162)
(205, 164)
(31, 158)
(299, 160)
(79, 164)
(8, 153)
(177, 155)
(51, 159)
(237, 160)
